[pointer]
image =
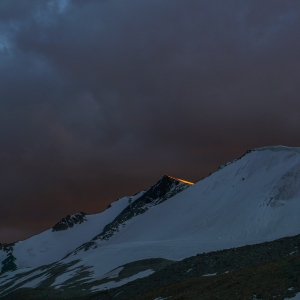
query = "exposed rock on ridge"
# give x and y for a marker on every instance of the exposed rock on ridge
(69, 221)
(164, 189)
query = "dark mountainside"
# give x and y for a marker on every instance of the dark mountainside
(270, 270)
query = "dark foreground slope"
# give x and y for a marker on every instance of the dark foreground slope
(270, 270)
(279, 279)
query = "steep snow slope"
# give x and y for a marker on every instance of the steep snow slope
(257, 196)
(253, 199)
(50, 245)
(164, 189)
(73, 231)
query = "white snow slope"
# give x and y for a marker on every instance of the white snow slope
(49, 246)
(256, 197)
(253, 199)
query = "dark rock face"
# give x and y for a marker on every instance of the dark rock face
(8, 264)
(7, 247)
(69, 221)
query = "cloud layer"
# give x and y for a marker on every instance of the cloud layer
(101, 98)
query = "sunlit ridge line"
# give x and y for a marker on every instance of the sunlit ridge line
(184, 181)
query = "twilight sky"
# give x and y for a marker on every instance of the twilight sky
(100, 98)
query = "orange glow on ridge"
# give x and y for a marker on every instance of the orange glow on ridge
(184, 181)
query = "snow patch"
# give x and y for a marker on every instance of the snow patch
(113, 284)
(213, 274)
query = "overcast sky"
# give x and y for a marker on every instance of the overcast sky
(100, 98)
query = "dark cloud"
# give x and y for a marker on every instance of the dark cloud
(101, 98)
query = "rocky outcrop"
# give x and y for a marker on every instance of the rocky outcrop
(69, 221)
(8, 264)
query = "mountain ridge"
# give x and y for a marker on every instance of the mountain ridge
(61, 231)
(250, 200)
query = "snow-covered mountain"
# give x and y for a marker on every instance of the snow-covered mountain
(253, 199)
(73, 231)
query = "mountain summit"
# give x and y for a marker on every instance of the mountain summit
(164, 189)
(253, 199)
